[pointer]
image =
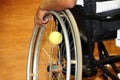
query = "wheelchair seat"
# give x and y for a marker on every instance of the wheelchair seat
(101, 18)
(104, 16)
(102, 9)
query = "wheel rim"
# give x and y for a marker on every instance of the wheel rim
(51, 63)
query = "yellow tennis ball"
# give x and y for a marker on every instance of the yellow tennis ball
(55, 37)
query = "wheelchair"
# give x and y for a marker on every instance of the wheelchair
(81, 28)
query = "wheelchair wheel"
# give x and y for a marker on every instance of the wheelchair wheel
(55, 62)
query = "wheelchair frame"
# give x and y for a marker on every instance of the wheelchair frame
(62, 68)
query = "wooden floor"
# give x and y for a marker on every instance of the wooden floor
(16, 24)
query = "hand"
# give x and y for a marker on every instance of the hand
(39, 17)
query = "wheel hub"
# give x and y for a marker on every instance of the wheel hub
(54, 68)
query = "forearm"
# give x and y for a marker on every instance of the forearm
(57, 4)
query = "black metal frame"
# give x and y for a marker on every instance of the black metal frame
(85, 24)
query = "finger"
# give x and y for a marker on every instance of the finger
(45, 21)
(36, 21)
